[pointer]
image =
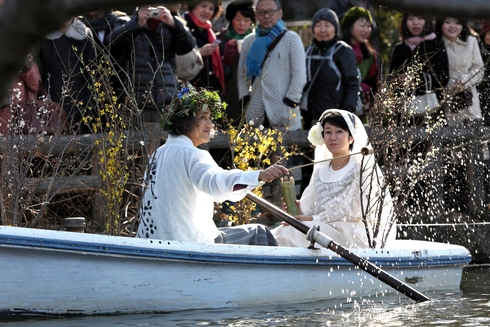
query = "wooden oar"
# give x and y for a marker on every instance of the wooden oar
(313, 235)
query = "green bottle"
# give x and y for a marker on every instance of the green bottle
(288, 190)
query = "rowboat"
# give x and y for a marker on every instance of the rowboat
(68, 273)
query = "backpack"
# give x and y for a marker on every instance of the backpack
(331, 63)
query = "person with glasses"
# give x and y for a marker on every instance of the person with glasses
(272, 65)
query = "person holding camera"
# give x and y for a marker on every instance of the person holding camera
(146, 46)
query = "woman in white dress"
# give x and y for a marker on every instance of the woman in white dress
(346, 196)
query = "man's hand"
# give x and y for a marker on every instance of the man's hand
(165, 16)
(143, 15)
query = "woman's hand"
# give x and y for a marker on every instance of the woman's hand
(272, 173)
(208, 49)
(284, 206)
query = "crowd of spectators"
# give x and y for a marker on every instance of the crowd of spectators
(247, 54)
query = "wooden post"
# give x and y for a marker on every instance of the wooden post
(74, 224)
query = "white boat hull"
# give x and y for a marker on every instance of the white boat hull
(53, 272)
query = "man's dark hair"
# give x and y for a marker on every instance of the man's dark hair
(277, 2)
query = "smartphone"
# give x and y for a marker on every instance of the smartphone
(217, 41)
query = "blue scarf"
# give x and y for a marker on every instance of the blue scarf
(256, 54)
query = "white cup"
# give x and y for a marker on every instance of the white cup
(239, 45)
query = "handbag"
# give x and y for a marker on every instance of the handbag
(425, 104)
(189, 65)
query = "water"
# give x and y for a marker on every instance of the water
(468, 307)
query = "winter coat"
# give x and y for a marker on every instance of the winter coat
(149, 58)
(326, 91)
(465, 65)
(101, 27)
(484, 86)
(206, 77)
(435, 65)
(64, 58)
(277, 92)
(234, 109)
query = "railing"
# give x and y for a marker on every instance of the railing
(447, 138)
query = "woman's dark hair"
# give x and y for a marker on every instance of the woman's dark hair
(366, 48)
(182, 125)
(336, 119)
(244, 7)
(464, 31)
(217, 7)
(405, 33)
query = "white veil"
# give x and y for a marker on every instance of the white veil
(375, 196)
(356, 129)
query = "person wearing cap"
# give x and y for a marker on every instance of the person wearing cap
(336, 84)
(356, 28)
(240, 15)
(271, 71)
(182, 182)
(484, 86)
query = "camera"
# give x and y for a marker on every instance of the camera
(154, 12)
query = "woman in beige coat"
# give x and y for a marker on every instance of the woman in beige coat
(465, 68)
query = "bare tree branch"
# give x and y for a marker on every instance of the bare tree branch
(457, 8)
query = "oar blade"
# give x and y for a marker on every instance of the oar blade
(324, 240)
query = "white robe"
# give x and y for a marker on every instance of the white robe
(333, 199)
(182, 183)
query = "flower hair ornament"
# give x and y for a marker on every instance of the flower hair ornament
(191, 100)
(315, 135)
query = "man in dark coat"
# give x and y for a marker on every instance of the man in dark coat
(146, 46)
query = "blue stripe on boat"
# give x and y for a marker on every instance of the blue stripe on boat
(132, 251)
